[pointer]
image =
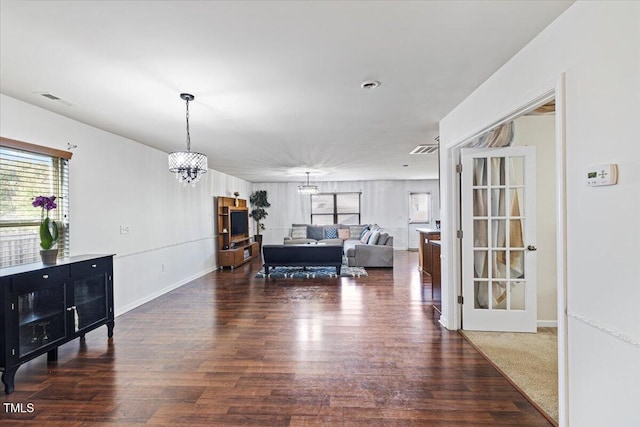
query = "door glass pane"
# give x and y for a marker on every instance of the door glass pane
(517, 171)
(498, 202)
(517, 295)
(497, 171)
(90, 299)
(499, 264)
(41, 318)
(516, 238)
(481, 295)
(498, 238)
(516, 197)
(480, 237)
(481, 264)
(479, 202)
(517, 264)
(499, 291)
(480, 172)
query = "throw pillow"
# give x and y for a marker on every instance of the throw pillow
(382, 240)
(365, 236)
(315, 232)
(299, 232)
(355, 231)
(344, 233)
(373, 239)
(330, 233)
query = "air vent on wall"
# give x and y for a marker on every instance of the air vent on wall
(425, 149)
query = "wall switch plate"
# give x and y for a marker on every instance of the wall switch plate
(602, 175)
(125, 229)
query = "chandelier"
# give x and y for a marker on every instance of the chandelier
(188, 166)
(307, 188)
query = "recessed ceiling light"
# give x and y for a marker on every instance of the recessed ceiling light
(370, 84)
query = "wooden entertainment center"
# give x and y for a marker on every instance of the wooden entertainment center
(234, 244)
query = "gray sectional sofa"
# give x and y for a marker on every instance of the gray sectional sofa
(364, 245)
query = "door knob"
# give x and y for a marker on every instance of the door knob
(531, 248)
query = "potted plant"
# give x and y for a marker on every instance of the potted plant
(236, 194)
(259, 202)
(48, 229)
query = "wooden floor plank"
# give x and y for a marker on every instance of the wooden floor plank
(228, 349)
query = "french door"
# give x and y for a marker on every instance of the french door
(498, 245)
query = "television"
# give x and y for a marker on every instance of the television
(240, 223)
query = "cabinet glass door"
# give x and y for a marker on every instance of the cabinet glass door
(90, 300)
(42, 318)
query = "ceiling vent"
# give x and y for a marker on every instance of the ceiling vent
(52, 97)
(55, 98)
(425, 149)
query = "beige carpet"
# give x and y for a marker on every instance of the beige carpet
(529, 360)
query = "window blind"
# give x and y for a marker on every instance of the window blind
(24, 175)
(335, 208)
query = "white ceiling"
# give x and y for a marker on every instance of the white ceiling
(276, 84)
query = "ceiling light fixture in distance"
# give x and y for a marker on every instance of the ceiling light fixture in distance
(307, 188)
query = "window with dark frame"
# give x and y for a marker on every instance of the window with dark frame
(24, 175)
(335, 208)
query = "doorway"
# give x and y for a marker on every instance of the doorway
(453, 317)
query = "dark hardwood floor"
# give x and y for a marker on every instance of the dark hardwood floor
(228, 349)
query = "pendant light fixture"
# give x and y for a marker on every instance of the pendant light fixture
(307, 188)
(188, 166)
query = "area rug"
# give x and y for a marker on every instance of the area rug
(530, 361)
(312, 272)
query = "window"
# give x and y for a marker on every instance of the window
(335, 208)
(419, 208)
(27, 172)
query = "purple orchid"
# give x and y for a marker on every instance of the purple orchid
(44, 202)
(48, 228)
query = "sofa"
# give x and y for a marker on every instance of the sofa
(364, 245)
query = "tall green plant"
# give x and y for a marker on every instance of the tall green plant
(259, 202)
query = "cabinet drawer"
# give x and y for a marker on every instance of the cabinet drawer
(40, 278)
(91, 267)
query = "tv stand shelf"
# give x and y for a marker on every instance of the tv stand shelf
(234, 244)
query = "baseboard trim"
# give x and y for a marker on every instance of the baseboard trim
(122, 310)
(547, 323)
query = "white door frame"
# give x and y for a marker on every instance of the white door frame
(451, 246)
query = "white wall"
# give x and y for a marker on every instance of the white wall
(597, 47)
(539, 132)
(115, 181)
(385, 203)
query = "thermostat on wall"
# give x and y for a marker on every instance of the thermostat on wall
(602, 175)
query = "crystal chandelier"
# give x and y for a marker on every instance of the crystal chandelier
(188, 166)
(307, 188)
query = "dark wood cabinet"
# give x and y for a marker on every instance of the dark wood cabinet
(429, 262)
(45, 306)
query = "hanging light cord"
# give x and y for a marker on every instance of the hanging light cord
(188, 134)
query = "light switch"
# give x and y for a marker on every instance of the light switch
(602, 175)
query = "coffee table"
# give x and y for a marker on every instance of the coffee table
(302, 256)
